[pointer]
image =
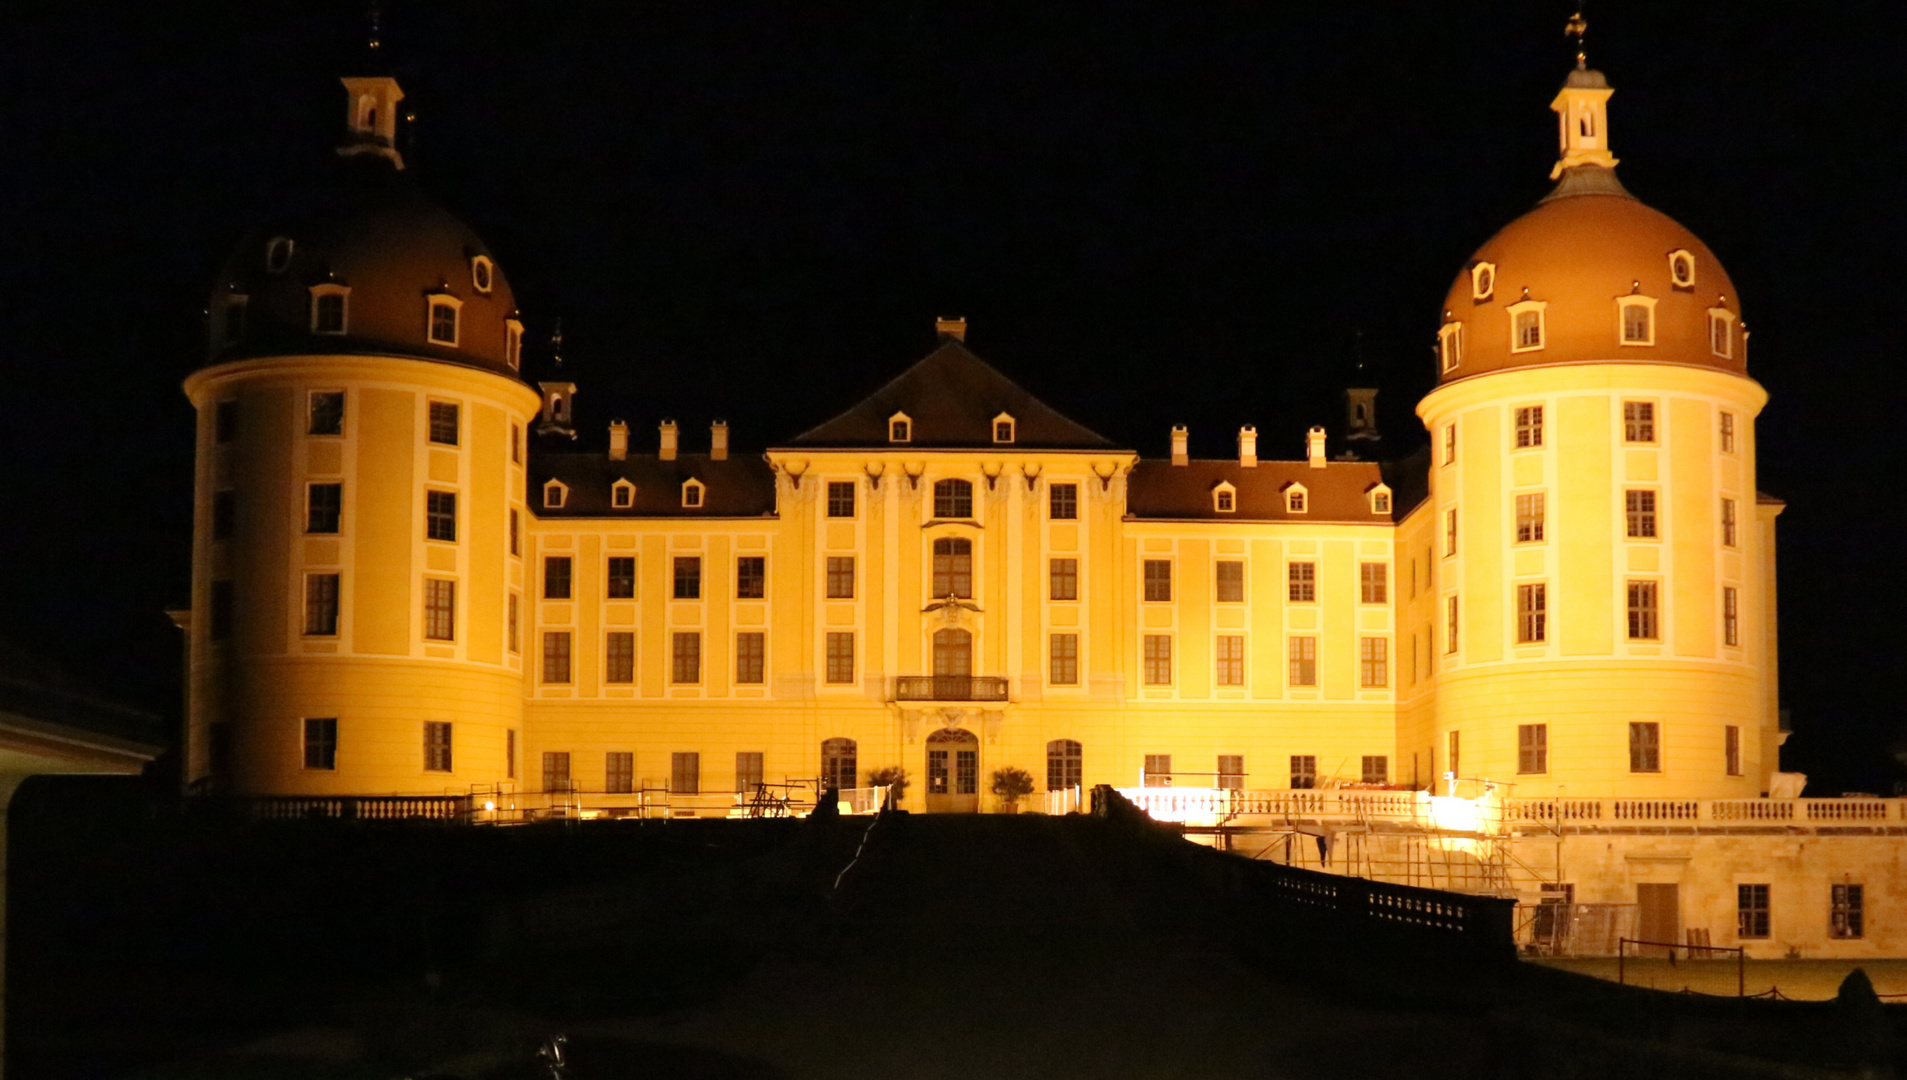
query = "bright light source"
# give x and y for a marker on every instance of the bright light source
(1453, 813)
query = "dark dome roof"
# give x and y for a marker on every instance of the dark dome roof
(372, 231)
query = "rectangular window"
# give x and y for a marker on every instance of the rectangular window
(1450, 625)
(1231, 581)
(750, 657)
(225, 515)
(1530, 513)
(1063, 579)
(685, 658)
(1728, 523)
(688, 577)
(1728, 433)
(225, 421)
(321, 744)
(953, 568)
(1635, 325)
(440, 609)
(443, 423)
(512, 620)
(1158, 659)
(1731, 616)
(509, 754)
(1450, 444)
(327, 413)
(437, 746)
(751, 577)
(840, 657)
(1532, 748)
(1374, 580)
(1640, 507)
(1231, 772)
(619, 772)
(1642, 611)
(1529, 330)
(1377, 769)
(1062, 502)
(840, 498)
(1374, 663)
(840, 577)
(1158, 770)
(748, 771)
(1731, 749)
(1846, 912)
(440, 515)
(1455, 756)
(1301, 582)
(515, 547)
(443, 323)
(685, 773)
(324, 509)
(619, 659)
(1158, 580)
(556, 577)
(1063, 653)
(1231, 660)
(1450, 532)
(1638, 421)
(556, 770)
(1303, 654)
(1304, 772)
(1751, 912)
(1532, 613)
(556, 656)
(1065, 765)
(516, 445)
(321, 604)
(622, 577)
(1529, 426)
(1645, 747)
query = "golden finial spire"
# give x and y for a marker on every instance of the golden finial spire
(1576, 27)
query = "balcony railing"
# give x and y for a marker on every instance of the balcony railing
(950, 688)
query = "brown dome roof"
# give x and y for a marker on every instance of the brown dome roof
(375, 233)
(1583, 247)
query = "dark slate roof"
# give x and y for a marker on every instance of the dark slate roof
(1336, 493)
(952, 397)
(736, 487)
(35, 693)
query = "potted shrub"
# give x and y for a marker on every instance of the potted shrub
(894, 779)
(1011, 784)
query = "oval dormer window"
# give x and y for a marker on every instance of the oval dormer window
(1482, 281)
(1682, 269)
(278, 255)
(481, 270)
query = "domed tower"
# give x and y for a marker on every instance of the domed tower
(1601, 570)
(359, 478)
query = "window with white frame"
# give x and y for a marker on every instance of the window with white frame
(1721, 332)
(622, 495)
(513, 343)
(1645, 746)
(900, 428)
(1003, 428)
(1638, 421)
(1726, 432)
(1224, 499)
(482, 270)
(441, 319)
(1529, 426)
(1530, 513)
(1374, 663)
(1296, 501)
(1731, 616)
(1301, 582)
(1231, 659)
(1231, 581)
(1526, 325)
(1644, 612)
(692, 493)
(1450, 444)
(1483, 281)
(1728, 523)
(555, 495)
(1450, 345)
(1302, 653)
(1635, 320)
(1158, 659)
(1681, 269)
(1639, 509)
(1380, 500)
(330, 309)
(325, 413)
(1532, 749)
(1532, 613)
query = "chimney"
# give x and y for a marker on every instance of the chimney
(718, 441)
(618, 441)
(1179, 435)
(951, 329)
(668, 441)
(1248, 447)
(1314, 440)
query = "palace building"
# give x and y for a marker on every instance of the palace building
(412, 575)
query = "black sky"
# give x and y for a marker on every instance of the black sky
(1151, 214)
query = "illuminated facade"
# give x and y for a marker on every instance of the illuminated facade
(414, 578)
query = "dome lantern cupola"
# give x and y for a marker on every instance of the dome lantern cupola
(370, 122)
(1582, 112)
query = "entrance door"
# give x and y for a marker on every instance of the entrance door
(953, 772)
(1658, 916)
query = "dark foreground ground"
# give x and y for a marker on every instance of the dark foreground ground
(150, 944)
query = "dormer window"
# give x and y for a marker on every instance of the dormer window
(1295, 499)
(234, 317)
(278, 255)
(692, 492)
(1224, 499)
(1003, 428)
(555, 495)
(1482, 281)
(1721, 332)
(1681, 269)
(1450, 345)
(1526, 325)
(330, 309)
(1380, 499)
(513, 343)
(1635, 320)
(900, 428)
(442, 316)
(622, 495)
(481, 271)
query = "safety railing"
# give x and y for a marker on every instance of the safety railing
(950, 688)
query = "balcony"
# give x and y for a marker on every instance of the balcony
(950, 688)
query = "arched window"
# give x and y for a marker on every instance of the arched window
(838, 765)
(441, 320)
(953, 655)
(953, 568)
(953, 499)
(1063, 765)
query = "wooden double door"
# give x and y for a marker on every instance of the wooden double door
(953, 772)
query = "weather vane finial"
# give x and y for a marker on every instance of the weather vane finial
(1576, 27)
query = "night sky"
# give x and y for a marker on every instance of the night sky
(1158, 214)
